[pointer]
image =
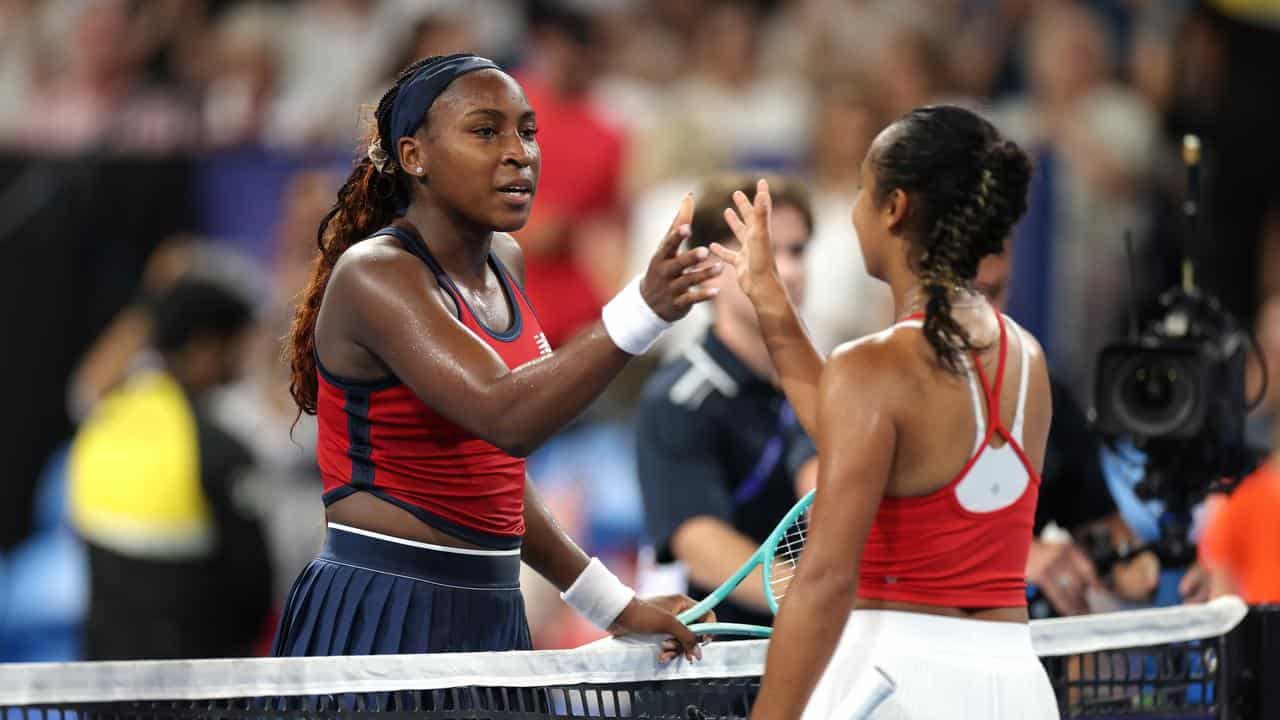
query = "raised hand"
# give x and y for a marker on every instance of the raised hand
(751, 223)
(671, 285)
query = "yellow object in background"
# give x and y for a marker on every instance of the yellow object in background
(135, 473)
(1265, 12)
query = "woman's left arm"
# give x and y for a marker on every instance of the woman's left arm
(549, 550)
(856, 437)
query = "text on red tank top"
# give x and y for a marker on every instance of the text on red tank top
(379, 437)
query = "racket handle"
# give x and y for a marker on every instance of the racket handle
(740, 629)
(869, 693)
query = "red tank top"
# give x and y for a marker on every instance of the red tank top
(964, 545)
(378, 437)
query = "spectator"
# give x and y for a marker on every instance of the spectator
(178, 566)
(842, 302)
(721, 456)
(730, 111)
(97, 96)
(1240, 540)
(572, 256)
(1093, 143)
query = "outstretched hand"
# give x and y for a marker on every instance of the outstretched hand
(751, 223)
(671, 285)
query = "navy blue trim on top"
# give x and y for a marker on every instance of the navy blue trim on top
(527, 302)
(352, 384)
(512, 332)
(415, 245)
(477, 537)
(359, 447)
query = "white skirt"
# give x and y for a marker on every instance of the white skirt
(937, 667)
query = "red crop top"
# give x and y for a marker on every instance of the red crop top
(378, 437)
(964, 545)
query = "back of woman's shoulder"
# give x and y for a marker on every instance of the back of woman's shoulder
(871, 352)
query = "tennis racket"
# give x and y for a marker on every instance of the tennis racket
(778, 555)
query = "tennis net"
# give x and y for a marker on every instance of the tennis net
(1184, 662)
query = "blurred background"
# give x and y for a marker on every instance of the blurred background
(143, 142)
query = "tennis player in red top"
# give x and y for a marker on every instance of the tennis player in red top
(930, 438)
(417, 349)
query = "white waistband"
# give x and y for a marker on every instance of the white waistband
(417, 544)
(920, 633)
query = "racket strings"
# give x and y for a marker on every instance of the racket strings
(786, 557)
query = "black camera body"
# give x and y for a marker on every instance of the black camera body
(1183, 379)
(1177, 391)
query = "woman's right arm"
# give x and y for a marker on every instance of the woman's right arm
(394, 313)
(798, 362)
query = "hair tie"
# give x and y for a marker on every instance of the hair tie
(378, 156)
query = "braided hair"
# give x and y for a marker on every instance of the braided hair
(969, 187)
(367, 201)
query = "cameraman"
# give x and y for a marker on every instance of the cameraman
(1073, 496)
(1241, 539)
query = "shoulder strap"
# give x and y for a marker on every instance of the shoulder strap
(993, 389)
(1019, 414)
(409, 238)
(413, 242)
(979, 420)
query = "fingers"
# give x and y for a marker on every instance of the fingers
(684, 261)
(745, 210)
(668, 650)
(735, 223)
(695, 295)
(679, 230)
(670, 244)
(694, 276)
(763, 202)
(724, 253)
(688, 641)
(684, 214)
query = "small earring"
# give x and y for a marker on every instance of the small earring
(418, 170)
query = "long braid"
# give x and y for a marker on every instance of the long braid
(367, 201)
(973, 185)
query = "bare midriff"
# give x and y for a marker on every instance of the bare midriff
(367, 512)
(998, 614)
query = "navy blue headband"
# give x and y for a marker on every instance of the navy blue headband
(418, 92)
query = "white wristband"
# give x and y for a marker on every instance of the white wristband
(598, 594)
(630, 322)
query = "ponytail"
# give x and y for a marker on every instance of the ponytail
(369, 200)
(360, 210)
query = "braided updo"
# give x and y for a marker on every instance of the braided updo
(968, 187)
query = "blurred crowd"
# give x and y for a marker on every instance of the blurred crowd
(637, 103)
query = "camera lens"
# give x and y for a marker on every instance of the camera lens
(1154, 394)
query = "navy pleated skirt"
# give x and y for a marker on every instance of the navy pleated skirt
(370, 594)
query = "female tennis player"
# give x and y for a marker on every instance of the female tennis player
(417, 349)
(930, 438)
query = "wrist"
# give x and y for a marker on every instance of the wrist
(598, 595)
(631, 323)
(767, 289)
